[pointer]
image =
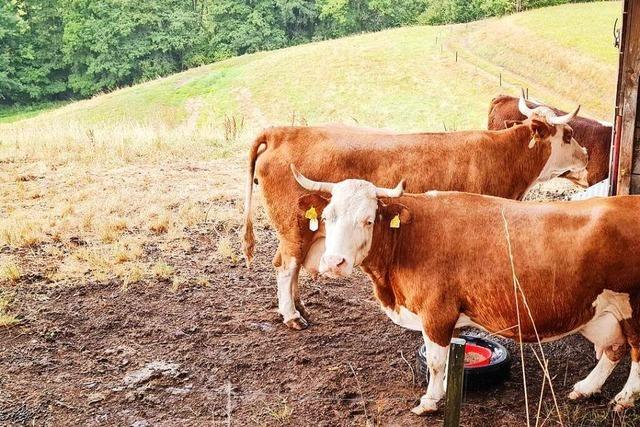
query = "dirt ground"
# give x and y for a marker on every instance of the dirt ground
(124, 317)
(222, 356)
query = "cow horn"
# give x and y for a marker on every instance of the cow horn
(309, 184)
(391, 192)
(523, 107)
(563, 120)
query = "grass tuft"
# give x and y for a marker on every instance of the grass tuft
(163, 271)
(160, 223)
(224, 249)
(6, 319)
(10, 273)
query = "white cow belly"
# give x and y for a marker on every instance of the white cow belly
(404, 318)
(603, 330)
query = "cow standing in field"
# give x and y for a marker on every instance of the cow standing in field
(594, 135)
(503, 163)
(441, 260)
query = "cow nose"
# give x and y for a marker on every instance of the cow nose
(334, 260)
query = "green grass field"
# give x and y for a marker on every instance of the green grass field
(405, 78)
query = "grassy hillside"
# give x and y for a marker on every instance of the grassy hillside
(404, 78)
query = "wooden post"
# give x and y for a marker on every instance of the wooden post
(500, 79)
(455, 380)
(629, 76)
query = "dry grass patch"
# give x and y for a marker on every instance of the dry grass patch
(160, 223)
(225, 250)
(163, 271)
(130, 274)
(128, 250)
(6, 319)
(10, 273)
(20, 232)
(190, 214)
(203, 281)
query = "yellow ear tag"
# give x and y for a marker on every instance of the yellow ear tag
(312, 216)
(395, 222)
(311, 213)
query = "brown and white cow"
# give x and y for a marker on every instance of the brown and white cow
(502, 163)
(594, 135)
(445, 264)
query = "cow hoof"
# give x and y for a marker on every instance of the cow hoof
(620, 404)
(302, 310)
(425, 408)
(621, 407)
(576, 395)
(297, 323)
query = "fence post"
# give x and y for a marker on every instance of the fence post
(455, 380)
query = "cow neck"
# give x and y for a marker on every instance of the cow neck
(522, 165)
(382, 259)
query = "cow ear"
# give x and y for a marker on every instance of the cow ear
(389, 212)
(511, 123)
(312, 200)
(541, 129)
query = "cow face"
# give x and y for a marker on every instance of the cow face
(349, 218)
(566, 154)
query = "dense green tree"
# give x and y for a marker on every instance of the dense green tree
(9, 42)
(112, 43)
(31, 61)
(244, 26)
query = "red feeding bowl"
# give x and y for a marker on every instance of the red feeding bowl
(475, 356)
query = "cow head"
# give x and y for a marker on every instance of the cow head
(349, 217)
(566, 154)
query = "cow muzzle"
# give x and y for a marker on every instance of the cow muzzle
(579, 178)
(335, 266)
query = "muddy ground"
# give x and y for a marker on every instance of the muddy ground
(222, 356)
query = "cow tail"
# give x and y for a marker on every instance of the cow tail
(248, 238)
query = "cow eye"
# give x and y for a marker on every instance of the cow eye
(368, 222)
(568, 135)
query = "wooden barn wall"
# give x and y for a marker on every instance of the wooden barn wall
(629, 162)
(635, 177)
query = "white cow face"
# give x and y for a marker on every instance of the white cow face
(348, 221)
(349, 218)
(566, 154)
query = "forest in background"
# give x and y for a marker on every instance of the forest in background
(53, 50)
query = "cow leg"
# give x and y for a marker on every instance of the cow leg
(608, 337)
(310, 264)
(287, 278)
(631, 328)
(436, 363)
(438, 323)
(297, 301)
(596, 378)
(626, 398)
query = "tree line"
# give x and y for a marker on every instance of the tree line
(61, 49)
